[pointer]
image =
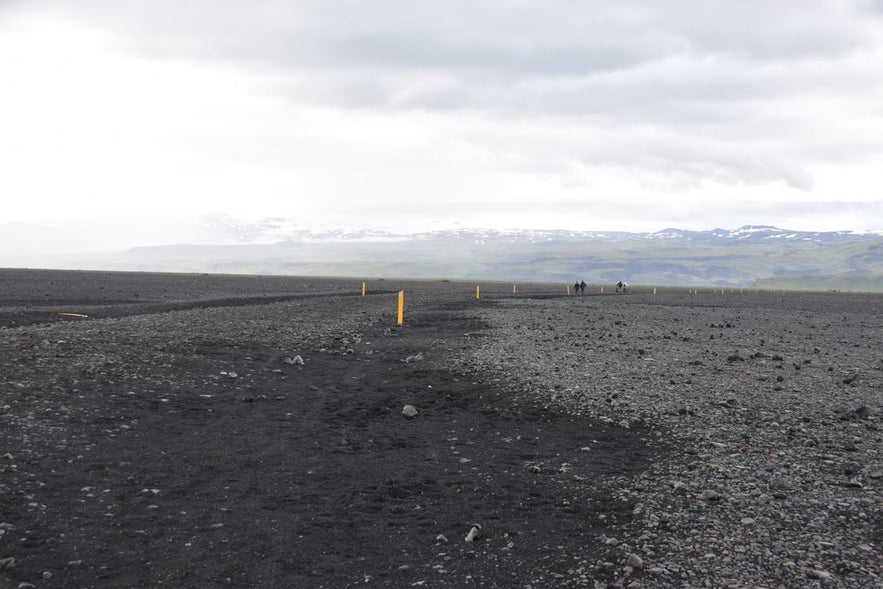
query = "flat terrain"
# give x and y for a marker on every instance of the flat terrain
(247, 431)
(173, 437)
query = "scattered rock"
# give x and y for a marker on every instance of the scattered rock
(818, 574)
(805, 459)
(710, 495)
(856, 414)
(473, 533)
(634, 561)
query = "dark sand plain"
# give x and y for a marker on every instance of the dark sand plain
(170, 438)
(173, 438)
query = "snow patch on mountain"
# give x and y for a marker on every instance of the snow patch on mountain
(228, 230)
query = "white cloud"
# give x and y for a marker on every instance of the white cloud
(627, 115)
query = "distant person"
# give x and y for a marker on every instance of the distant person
(582, 287)
(576, 288)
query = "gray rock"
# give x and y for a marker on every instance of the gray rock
(409, 411)
(634, 561)
(818, 574)
(657, 571)
(710, 495)
(473, 533)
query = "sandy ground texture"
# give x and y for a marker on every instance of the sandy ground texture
(244, 431)
(200, 431)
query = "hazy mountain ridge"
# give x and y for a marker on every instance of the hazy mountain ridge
(274, 229)
(740, 257)
(747, 256)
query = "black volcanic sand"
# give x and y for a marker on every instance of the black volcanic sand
(31, 297)
(170, 438)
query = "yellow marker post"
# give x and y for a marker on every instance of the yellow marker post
(654, 291)
(401, 316)
(363, 289)
(477, 292)
(568, 290)
(513, 289)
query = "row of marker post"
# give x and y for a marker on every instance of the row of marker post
(401, 296)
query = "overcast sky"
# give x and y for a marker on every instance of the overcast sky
(572, 114)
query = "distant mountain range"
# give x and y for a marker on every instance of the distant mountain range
(272, 230)
(747, 256)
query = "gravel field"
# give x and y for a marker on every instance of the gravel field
(772, 402)
(230, 431)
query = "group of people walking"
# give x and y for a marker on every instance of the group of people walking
(580, 287)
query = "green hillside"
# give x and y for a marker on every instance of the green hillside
(804, 264)
(842, 282)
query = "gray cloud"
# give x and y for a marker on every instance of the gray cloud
(676, 93)
(549, 38)
(632, 58)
